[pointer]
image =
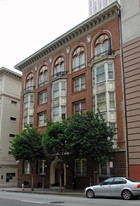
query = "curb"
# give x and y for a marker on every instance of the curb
(44, 192)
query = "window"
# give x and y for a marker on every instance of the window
(111, 100)
(43, 97)
(78, 59)
(42, 119)
(12, 135)
(25, 101)
(101, 101)
(79, 83)
(63, 112)
(80, 167)
(110, 71)
(31, 100)
(63, 88)
(56, 90)
(42, 166)
(13, 119)
(13, 102)
(80, 107)
(43, 76)
(102, 45)
(27, 167)
(24, 122)
(59, 66)
(29, 82)
(106, 168)
(56, 114)
(100, 73)
(31, 121)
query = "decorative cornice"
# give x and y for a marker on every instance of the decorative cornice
(100, 17)
(12, 73)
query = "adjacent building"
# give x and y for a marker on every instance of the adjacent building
(130, 18)
(81, 70)
(97, 5)
(10, 90)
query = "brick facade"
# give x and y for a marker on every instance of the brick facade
(85, 36)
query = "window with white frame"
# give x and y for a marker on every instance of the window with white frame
(63, 112)
(42, 119)
(26, 167)
(56, 114)
(43, 97)
(100, 73)
(59, 65)
(111, 100)
(56, 90)
(101, 101)
(102, 45)
(43, 76)
(103, 72)
(63, 88)
(25, 101)
(30, 82)
(80, 107)
(78, 59)
(31, 100)
(24, 122)
(31, 120)
(79, 83)
(80, 167)
(42, 166)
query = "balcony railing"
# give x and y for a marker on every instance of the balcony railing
(103, 54)
(59, 74)
(30, 88)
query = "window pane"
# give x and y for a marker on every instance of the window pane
(106, 45)
(63, 88)
(82, 60)
(101, 101)
(100, 73)
(62, 67)
(99, 50)
(110, 71)
(111, 100)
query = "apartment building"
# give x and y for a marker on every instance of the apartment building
(10, 90)
(81, 70)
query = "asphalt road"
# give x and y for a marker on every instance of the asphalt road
(26, 199)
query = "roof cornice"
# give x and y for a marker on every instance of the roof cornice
(100, 17)
(4, 70)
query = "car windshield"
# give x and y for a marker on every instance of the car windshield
(131, 180)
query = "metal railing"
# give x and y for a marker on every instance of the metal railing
(59, 74)
(103, 54)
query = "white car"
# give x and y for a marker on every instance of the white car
(115, 187)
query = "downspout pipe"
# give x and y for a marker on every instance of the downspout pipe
(124, 95)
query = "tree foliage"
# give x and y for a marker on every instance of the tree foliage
(28, 146)
(89, 135)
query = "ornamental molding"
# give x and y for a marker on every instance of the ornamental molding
(92, 22)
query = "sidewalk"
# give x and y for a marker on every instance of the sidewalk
(54, 191)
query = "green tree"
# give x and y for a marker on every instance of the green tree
(88, 135)
(28, 146)
(55, 144)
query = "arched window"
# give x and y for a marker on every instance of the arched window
(43, 76)
(30, 82)
(78, 59)
(102, 45)
(59, 66)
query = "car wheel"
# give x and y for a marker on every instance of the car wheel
(90, 193)
(126, 195)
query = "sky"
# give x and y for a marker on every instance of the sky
(28, 25)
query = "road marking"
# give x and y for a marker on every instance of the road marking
(31, 201)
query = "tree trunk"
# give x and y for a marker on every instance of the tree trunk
(60, 176)
(32, 177)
